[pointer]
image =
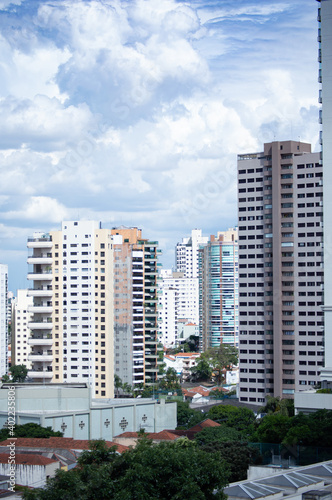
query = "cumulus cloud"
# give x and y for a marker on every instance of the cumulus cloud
(39, 208)
(134, 112)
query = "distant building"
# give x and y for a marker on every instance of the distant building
(178, 304)
(20, 338)
(218, 290)
(182, 363)
(186, 253)
(3, 319)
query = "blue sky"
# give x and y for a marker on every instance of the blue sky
(133, 112)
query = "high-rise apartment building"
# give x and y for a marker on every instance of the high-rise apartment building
(135, 306)
(280, 270)
(186, 253)
(3, 319)
(178, 301)
(72, 333)
(218, 290)
(21, 317)
(325, 78)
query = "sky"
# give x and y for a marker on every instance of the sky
(132, 112)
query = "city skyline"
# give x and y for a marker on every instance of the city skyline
(133, 113)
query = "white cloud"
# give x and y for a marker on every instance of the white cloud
(134, 112)
(39, 208)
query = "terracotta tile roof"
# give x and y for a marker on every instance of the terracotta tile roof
(203, 425)
(203, 391)
(162, 435)
(27, 458)
(59, 443)
(187, 354)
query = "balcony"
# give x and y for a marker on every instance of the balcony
(41, 357)
(42, 259)
(40, 325)
(40, 374)
(40, 309)
(40, 292)
(39, 243)
(43, 276)
(40, 341)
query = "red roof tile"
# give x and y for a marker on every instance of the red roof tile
(57, 442)
(162, 435)
(203, 425)
(27, 458)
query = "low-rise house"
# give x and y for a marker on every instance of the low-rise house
(201, 394)
(130, 438)
(182, 363)
(30, 469)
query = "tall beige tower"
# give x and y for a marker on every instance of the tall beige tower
(280, 270)
(72, 332)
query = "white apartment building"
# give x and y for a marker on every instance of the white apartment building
(186, 253)
(280, 270)
(72, 338)
(178, 302)
(21, 317)
(3, 319)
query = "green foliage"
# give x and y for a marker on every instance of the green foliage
(187, 417)
(30, 430)
(238, 455)
(18, 373)
(170, 381)
(277, 405)
(148, 472)
(324, 391)
(99, 453)
(307, 430)
(191, 344)
(217, 434)
(5, 378)
(241, 419)
(202, 370)
(272, 428)
(215, 361)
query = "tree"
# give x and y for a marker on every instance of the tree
(170, 381)
(217, 434)
(242, 419)
(202, 370)
(186, 416)
(220, 358)
(147, 472)
(30, 430)
(237, 454)
(272, 428)
(117, 384)
(277, 405)
(18, 373)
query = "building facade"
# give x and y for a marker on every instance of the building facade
(135, 306)
(21, 317)
(186, 253)
(3, 319)
(325, 97)
(72, 338)
(218, 290)
(178, 304)
(280, 270)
